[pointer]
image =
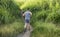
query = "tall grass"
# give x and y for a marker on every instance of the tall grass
(11, 30)
(47, 12)
(9, 11)
(43, 29)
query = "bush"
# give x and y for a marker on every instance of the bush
(9, 11)
(53, 17)
(43, 29)
(11, 30)
(35, 5)
(43, 9)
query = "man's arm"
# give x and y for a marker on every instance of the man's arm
(23, 14)
(30, 13)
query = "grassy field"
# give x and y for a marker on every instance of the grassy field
(11, 30)
(45, 19)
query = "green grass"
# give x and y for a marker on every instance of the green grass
(44, 29)
(45, 18)
(11, 30)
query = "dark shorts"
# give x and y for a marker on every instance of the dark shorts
(27, 21)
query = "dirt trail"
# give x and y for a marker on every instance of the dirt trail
(26, 34)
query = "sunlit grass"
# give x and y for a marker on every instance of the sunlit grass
(11, 30)
(44, 29)
(44, 18)
(19, 0)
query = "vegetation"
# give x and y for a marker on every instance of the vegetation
(11, 30)
(8, 11)
(45, 19)
(10, 19)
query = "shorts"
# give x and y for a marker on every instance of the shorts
(27, 21)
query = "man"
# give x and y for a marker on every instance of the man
(27, 16)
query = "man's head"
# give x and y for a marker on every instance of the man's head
(28, 9)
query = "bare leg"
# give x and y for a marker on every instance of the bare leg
(25, 27)
(28, 26)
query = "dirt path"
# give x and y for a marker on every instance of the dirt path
(26, 34)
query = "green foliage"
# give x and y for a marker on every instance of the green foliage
(46, 14)
(9, 11)
(54, 17)
(11, 30)
(43, 29)
(45, 11)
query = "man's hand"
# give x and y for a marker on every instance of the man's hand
(23, 15)
(30, 13)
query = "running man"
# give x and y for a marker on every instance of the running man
(27, 16)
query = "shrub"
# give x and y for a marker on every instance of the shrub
(11, 30)
(43, 29)
(9, 11)
(53, 17)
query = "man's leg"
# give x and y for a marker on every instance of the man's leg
(25, 27)
(28, 26)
